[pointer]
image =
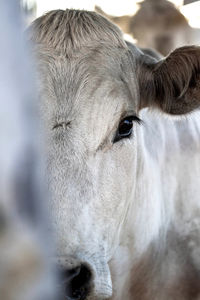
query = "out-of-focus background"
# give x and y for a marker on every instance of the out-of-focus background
(158, 24)
(189, 8)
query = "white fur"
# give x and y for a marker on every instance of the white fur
(128, 208)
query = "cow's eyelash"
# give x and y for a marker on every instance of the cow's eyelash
(134, 118)
(138, 120)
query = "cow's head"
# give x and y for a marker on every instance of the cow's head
(92, 88)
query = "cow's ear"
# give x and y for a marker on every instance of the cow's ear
(173, 83)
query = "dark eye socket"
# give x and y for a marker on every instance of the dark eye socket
(125, 128)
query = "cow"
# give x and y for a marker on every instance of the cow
(123, 172)
(157, 24)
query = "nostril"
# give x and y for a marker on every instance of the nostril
(77, 282)
(68, 275)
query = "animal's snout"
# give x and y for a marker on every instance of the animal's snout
(77, 282)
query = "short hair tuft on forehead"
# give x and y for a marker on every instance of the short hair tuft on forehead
(69, 30)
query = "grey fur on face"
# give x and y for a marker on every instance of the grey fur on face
(111, 200)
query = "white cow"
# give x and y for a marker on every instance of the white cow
(125, 193)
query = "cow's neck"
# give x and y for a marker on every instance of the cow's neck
(154, 260)
(162, 272)
(165, 273)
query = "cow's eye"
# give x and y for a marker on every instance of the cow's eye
(125, 128)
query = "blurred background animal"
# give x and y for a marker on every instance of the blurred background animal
(158, 24)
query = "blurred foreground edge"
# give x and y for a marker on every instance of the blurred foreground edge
(25, 269)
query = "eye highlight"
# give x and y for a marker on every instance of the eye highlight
(125, 128)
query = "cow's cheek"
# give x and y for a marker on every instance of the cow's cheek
(113, 175)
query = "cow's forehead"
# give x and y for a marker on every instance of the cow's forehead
(92, 97)
(86, 59)
(98, 78)
(71, 30)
